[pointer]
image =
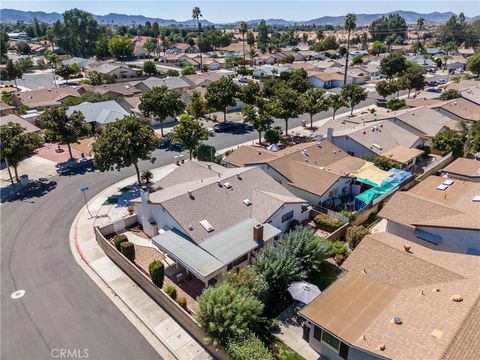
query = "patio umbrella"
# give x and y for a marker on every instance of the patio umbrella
(303, 291)
(274, 147)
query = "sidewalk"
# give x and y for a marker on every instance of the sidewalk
(169, 339)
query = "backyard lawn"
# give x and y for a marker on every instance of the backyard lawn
(326, 275)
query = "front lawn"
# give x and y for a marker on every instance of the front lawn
(326, 275)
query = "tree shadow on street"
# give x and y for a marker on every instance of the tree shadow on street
(36, 189)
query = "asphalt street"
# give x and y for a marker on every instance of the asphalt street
(62, 307)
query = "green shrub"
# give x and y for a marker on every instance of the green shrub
(355, 234)
(339, 259)
(157, 272)
(327, 223)
(348, 214)
(293, 225)
(128, 250)
(396, 104)
(248, 347)
(339, 248)
(182, 301)
(171, 290)
(118, 239)
(450, 94)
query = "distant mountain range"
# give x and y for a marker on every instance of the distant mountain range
(12, 16)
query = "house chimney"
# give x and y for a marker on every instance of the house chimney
(330, 134)
(144, 194)
(258, 233)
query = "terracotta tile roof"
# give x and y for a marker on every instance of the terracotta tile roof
(384, 281)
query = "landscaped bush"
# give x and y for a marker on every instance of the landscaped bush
(248, 347)
(450, 94)
(339, 248)
(248, 280)
(223, 311)
(339, 259)
(157, 272)
(355, 234)
(118, 239)
(182, 301)
(293, 225)
(348, 214)
(327, 223)
(396, 104)
(171, 291)
(128, 250)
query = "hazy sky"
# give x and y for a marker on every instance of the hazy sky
(231, 10)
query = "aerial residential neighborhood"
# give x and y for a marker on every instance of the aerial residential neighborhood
(246, 181)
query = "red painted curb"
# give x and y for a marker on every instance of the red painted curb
(77, 245)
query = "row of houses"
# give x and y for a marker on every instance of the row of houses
(420, 297)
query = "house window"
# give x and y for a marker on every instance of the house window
(317, 333)
(287, 216)
(330, 340)
(237, 262)
(343, 352)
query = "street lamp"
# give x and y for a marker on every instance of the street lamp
(84, 191)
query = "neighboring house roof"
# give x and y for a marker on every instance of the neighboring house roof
(103, 112)
(383, 136)
(326, 76)
(312, 167)
(402, 154)
(211, 200)
(464, 167)
(5, 106)
(29, 128)
(462, 85)
(472, 94)
(427, 205)
(360, 306)
(172, 83)
(427, 121)
(271, 70)
(197, 79)
(45, 97)
(462, 108)
(106, 68)
(123, 89)
(81, 62)
(423, 101)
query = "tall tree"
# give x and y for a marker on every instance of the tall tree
(251, 44)
(196, 106)
(124, 143)
(121, 46)
(53, 59)
(473, 64)
(4, 45)
(161, 103)
(393, 65)
(196, 15)
(221, 94)
(11, 72)
(79, 33)
(350, 25)
(258, 116)
(337, 101)
(353, 95)
(16, 145)
(420, 26)
(413, 78)
(61, 127)
(243, 31)
(262, 39)
(249, 92)
(313, 102)
(286, 104)
(189, 133)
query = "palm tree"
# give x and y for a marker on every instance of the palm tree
(350, 25)
(420, 25)
(53, 60)
(51, 38)
(243, 31)
(196, 15)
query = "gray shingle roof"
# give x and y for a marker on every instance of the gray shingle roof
(103, 112)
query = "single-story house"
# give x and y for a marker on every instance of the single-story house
(441, 213)
(28, 127)
(119, 71)
(457, 62)
(80, 62)
(398, 299)
(463, 169)
(327, 80)
(460, 109)
(113, 91)
(100, 114)
(44, 97)
(6, 109)
(210, 219)
(270, 70)
(203, 79)
(173, 83)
